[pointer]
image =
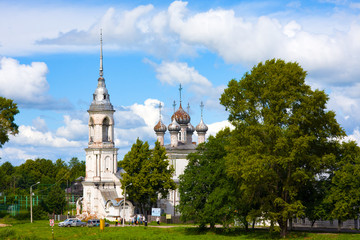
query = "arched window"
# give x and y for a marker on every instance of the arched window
(105, 130)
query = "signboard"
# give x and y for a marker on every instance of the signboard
(51, 222)
(156, 212)
(168, 216)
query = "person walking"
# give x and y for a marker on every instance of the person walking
(158, 220)
(116, 222)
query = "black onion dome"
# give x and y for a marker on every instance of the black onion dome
(190, 128)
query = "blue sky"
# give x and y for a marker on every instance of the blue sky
(49, 63)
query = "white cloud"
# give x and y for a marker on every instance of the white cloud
(28, 135)
(10, 154)
(174, 73)
(27, 85)
(144, 118)
(31, 79)
(40, 124)
(355, 136)
(73, 129)
(214, 128)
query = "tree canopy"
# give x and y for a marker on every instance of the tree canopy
(207, 194)
(148, 174)
(283, 137)
(8, 110)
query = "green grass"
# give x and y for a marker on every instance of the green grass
(41, 230)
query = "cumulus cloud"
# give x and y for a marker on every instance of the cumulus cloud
(74, 129)
(31, 79)
(174, 73)
(139, 122)
(12, 153)
(214, 128)
(28, 135)
(40, 124)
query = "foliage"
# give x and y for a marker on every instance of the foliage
(8, 110)
(207, 195)
(344, 196)
(283, 137)
(55, 201)
(148, 172)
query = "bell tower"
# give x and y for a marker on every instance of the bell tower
(101, 154)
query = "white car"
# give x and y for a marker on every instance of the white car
(68, 222)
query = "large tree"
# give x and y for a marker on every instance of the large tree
(8, 110)
(148, 174)
(283, 137)
(207, 194)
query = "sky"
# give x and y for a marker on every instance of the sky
(49, 63)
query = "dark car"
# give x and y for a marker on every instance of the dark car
(78, 223)
(96, 223)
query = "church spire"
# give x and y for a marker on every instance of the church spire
(188, 108)
(101, 56)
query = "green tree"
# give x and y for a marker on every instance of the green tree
(207, 194)
(148, 174)
(8, 110)
(344, 196)
(55, 201)
(283, 136)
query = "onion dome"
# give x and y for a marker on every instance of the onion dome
(174, 126)
(160, 127)
(201, 127)
(181, 116)
(190, 128)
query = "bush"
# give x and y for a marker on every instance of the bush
(3, 214)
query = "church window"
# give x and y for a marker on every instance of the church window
(104, 96)
(105, 130)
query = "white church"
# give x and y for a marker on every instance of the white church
(102, 193)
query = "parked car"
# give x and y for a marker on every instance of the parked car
(78, 223)
(67, 222)
(96, 223)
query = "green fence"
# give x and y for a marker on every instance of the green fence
(14, 204)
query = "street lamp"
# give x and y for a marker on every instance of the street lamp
(31, 218)
(124, 204)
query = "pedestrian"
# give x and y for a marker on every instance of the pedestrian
(158, 220)
(116, 222)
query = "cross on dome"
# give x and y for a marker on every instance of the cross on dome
(180, 88)
(202, 108)
(174, 105)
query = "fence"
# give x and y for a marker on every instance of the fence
(14, 204)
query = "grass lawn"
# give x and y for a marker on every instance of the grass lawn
(41, 230)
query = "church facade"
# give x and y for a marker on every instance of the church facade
(181, 144)
(103, 196)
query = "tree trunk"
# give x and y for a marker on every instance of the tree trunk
(212, 226)
(253, 224)
(283, 228)
(290, 224)
(339, 224)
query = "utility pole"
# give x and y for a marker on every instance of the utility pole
(31, 215)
